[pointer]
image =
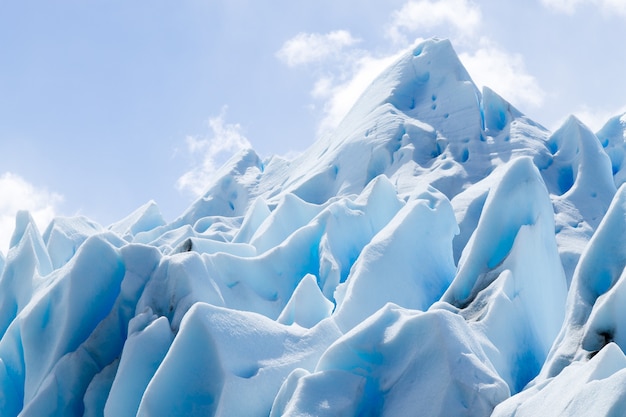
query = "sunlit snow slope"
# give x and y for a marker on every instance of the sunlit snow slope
(439, 254)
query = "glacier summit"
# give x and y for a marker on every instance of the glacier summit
(438, 254)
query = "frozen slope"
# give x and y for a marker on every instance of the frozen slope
(438, 254)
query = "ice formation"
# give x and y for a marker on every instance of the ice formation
(439, 254)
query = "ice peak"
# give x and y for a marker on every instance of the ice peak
(580, 169)
(428, 82)
(519, 200)
(498, 112)
(612, 136)
(23, 220)
(228, 195)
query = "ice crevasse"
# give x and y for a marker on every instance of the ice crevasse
(438, 254)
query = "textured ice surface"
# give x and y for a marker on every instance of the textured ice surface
(593, 388)
(438, 254)
(378, 368)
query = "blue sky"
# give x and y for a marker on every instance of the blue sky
(105, 105)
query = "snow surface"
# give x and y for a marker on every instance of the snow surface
(439, 254)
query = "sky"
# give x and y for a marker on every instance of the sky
(106, 105)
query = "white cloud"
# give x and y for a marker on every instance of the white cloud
(19, 194)
(424, 15)
(570, 6)
(564, 6)
(618, 6)
(306, 48)
(209, 153)
(504, 73)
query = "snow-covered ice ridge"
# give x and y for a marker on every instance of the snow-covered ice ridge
(440, 254)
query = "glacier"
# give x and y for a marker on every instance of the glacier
(438, 254)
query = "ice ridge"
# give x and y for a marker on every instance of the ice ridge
(438, 254)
